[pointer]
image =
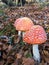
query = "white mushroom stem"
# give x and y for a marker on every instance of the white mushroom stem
(23, 34)
(36, 54)
(19, 33)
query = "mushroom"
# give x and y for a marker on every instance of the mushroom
(23, 24)
(35, 36)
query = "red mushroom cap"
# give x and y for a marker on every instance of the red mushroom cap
(23, 24)
(36, 35)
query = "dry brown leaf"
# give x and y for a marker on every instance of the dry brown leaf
(28, 61)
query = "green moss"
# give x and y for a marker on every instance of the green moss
(22, 43)
(28, 55)
(9, 29)
(1, 12)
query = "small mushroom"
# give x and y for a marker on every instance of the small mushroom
(35, 36)
(23, 24)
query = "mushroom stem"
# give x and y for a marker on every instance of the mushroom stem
(36, 54)
(23, 34)
(19, 33)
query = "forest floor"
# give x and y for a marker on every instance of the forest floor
(15, 51)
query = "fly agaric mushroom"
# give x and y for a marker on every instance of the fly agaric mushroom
(23, 24)
(35, 36)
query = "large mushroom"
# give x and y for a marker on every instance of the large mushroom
(23, 24)
(35, 36)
